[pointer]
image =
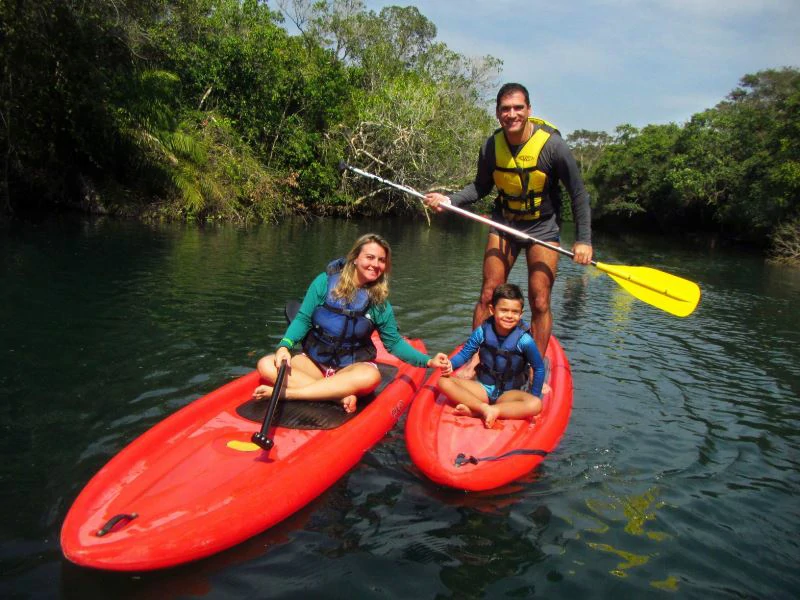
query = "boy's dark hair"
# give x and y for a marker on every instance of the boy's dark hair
(510, 88)
(507, 291)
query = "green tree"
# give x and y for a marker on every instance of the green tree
(587, 146)
(737, 164)
(734, 168)
(764, 112)
(60, 63)
(630, 175)
(203, 109)
(418, 114)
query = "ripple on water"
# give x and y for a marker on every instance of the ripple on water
(678, 471)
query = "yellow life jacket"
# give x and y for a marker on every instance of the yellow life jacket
(520, 183)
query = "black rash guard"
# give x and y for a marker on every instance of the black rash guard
(557, 162)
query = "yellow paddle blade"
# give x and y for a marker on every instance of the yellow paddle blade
(672, 294)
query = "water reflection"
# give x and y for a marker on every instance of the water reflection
(678, 467)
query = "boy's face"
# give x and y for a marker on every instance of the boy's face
(507, 313)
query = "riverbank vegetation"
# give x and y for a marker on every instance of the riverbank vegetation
(733, 169)
(212, 110)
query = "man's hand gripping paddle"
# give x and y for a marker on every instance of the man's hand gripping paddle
(670, 293)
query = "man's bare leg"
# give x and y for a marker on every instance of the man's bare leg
(542, 269)
(497, 262)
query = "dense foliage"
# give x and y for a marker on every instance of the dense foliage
(212, 109)
(733, 169)
(207, 109)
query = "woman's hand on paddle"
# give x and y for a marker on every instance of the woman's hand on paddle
(440, 361)
(282, 354)
(582, 252)
(434, 199)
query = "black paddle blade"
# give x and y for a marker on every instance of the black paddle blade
(291, 309)
(342, 166)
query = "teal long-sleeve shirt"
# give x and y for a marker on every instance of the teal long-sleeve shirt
(382, 316)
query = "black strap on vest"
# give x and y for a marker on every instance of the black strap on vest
(462, 459)
(507, 376)
(350, 314)
(336, 344)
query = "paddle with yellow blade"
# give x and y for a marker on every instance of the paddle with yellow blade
(670, 293)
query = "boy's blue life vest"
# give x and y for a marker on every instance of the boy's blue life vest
(341, 332)
(501, 365)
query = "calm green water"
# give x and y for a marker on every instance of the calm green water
(677, 477)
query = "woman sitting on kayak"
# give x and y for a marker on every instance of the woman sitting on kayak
(341, 308)
(506, 352)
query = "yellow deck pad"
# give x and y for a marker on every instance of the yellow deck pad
(242, 446)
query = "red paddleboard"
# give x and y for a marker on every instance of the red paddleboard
(460, 452)
(195, 484)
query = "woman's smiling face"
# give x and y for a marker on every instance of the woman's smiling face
(370, 263)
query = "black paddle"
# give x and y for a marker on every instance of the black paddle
(260, 438)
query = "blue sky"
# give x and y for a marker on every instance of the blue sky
(595, 64)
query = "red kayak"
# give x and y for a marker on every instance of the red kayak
(460, 452)
(195, 484)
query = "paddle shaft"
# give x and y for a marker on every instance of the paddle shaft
(260, 438)
(610, 269)
(465, 213)
(621, 273)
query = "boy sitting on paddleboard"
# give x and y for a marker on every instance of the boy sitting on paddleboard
(507, 352)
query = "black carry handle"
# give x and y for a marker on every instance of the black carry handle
(113, 521)
(462, 459)
(260, 438)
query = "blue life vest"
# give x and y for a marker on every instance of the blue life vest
(501, 364)
(341, 331)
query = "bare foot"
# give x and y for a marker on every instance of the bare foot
(262, 391)
(349, 403)
(462, 410)
(490, 414)
(546, 389)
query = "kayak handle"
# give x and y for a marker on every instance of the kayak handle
(462, 459)
(112, 522)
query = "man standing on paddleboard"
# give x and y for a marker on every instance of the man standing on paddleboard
(525, 159)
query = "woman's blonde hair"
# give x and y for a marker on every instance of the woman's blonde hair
(347, 286)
